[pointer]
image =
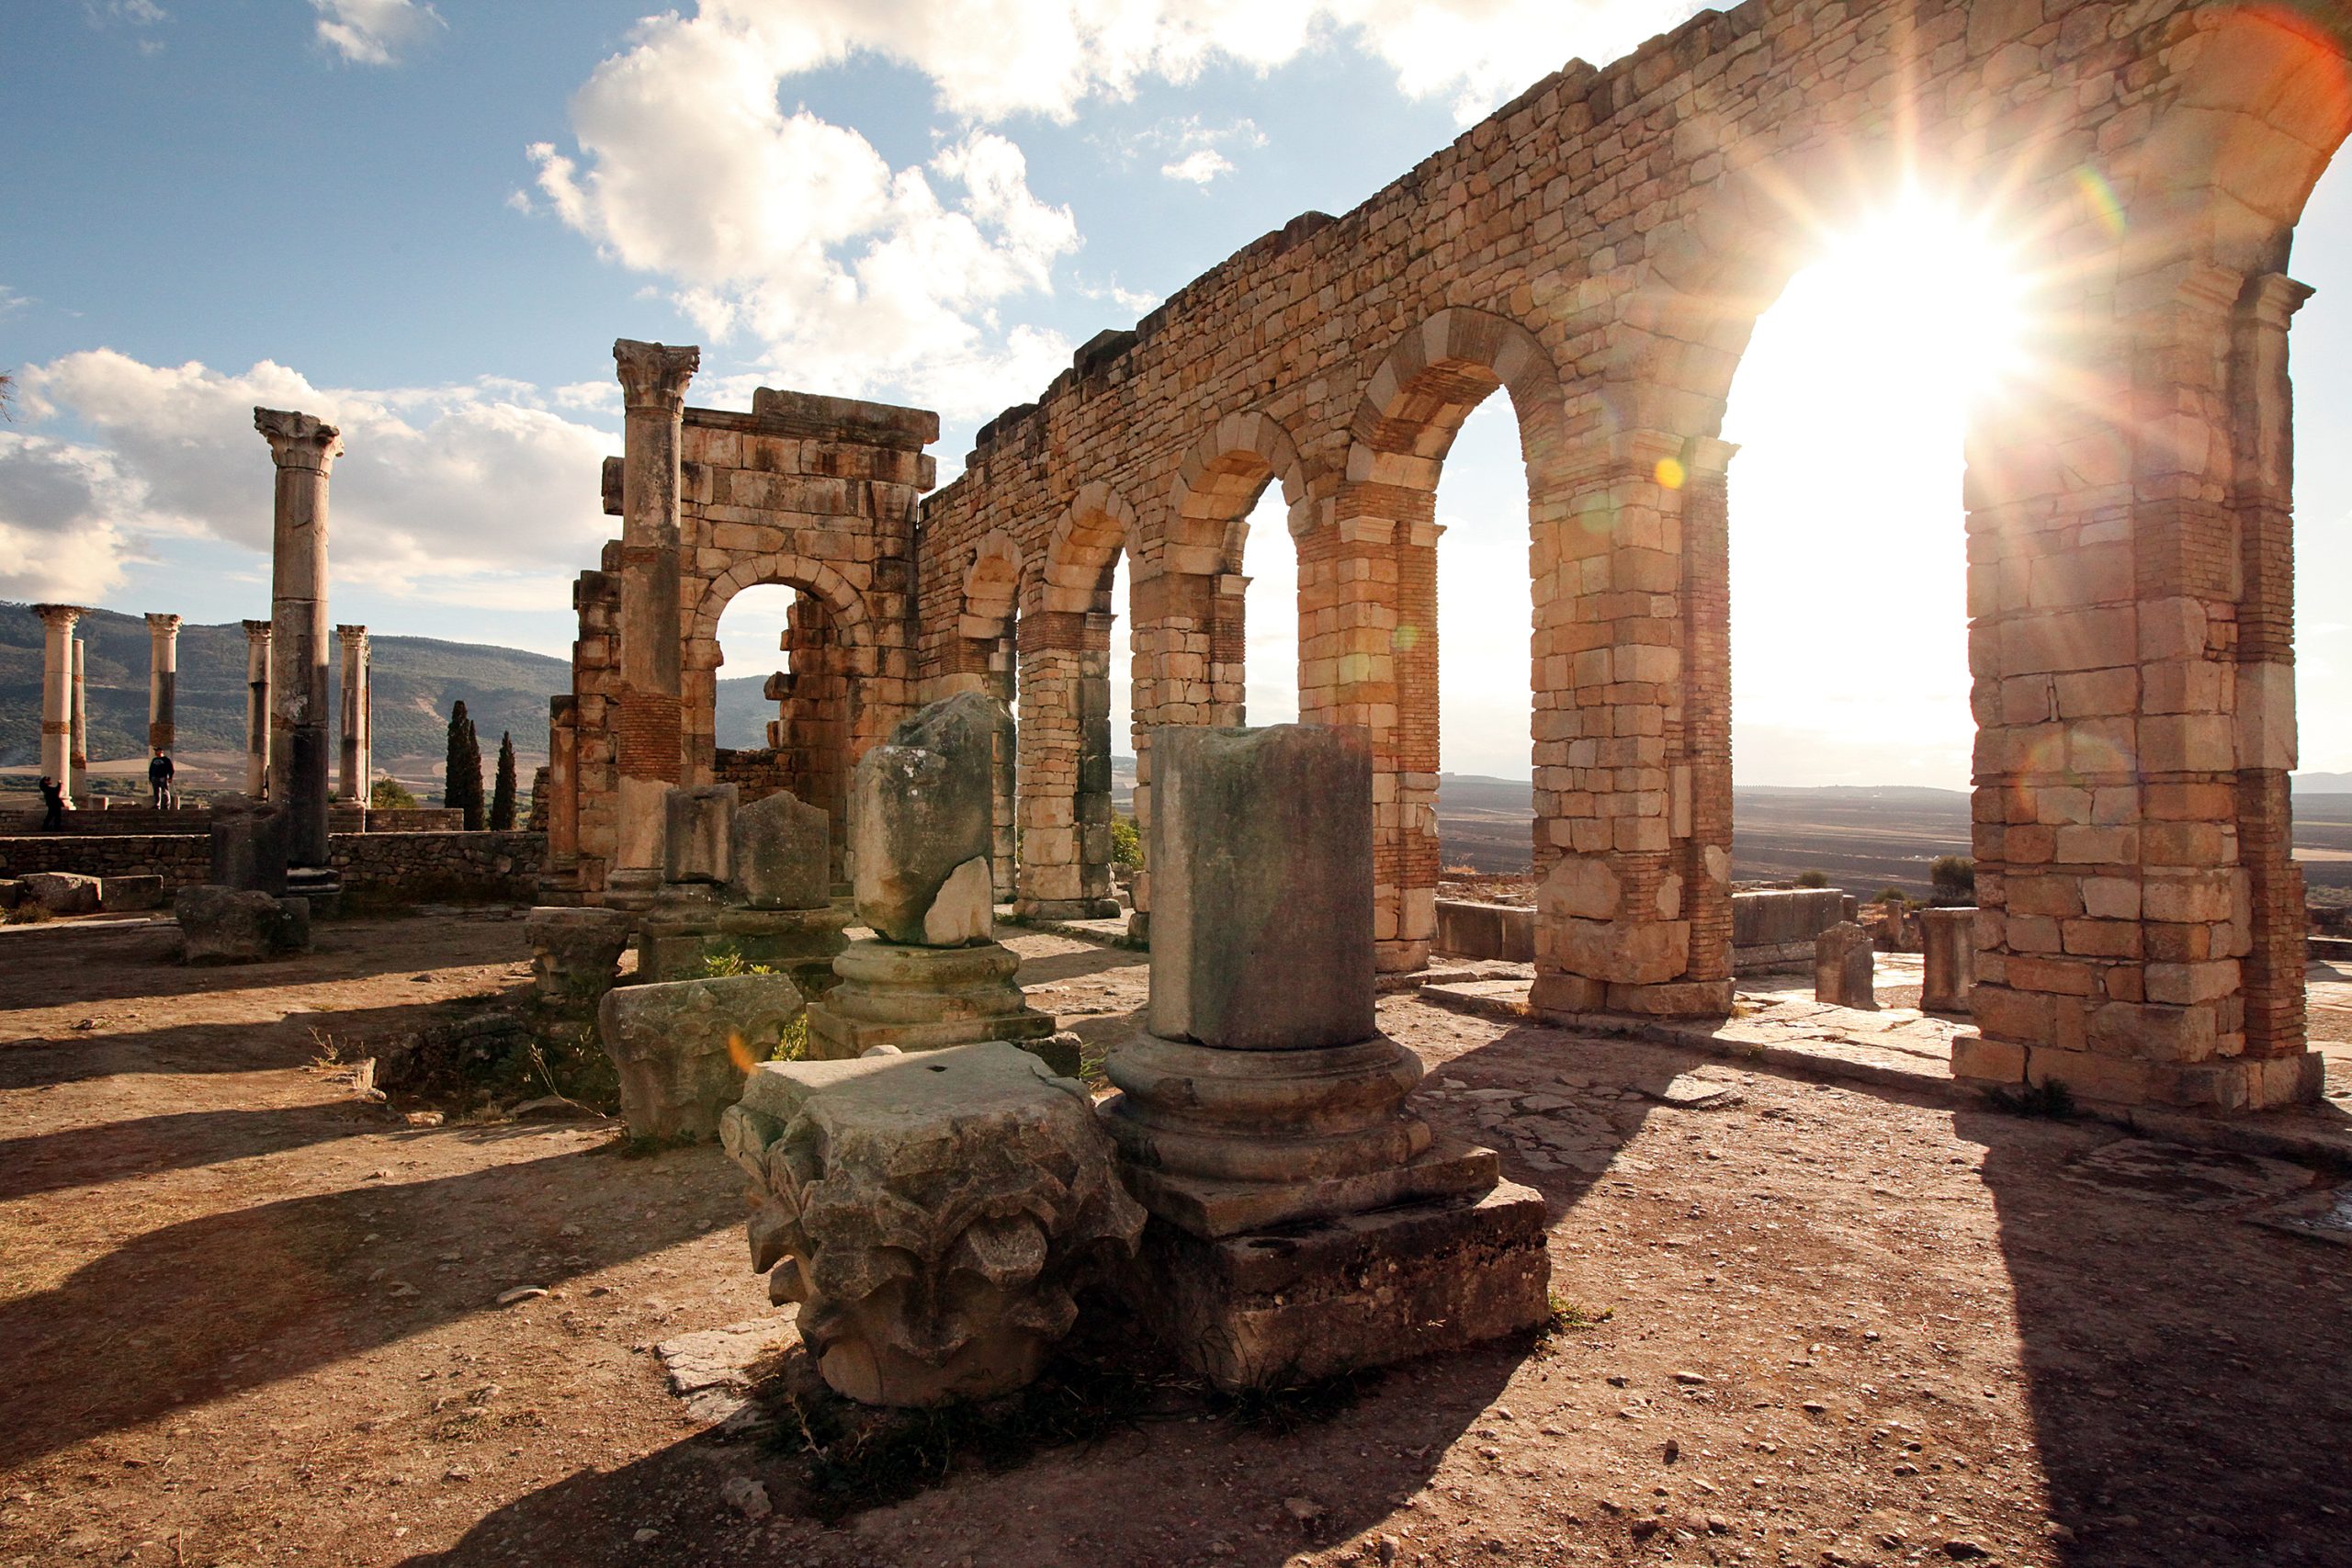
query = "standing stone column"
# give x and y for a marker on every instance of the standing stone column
(358, 760)
(78, 750)
(257, 708)
(57, 691)
(304, 448)
(650, 727)
(162, 682)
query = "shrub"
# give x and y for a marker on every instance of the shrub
(1954, 878)
(1127, 842)
(389, 795)
(1812, 879)
(1892, 895)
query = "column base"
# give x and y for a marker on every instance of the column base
(2228, 1083)
(1341, 1294)
(919, 998)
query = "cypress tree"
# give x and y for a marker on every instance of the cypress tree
(502, 799)
(461, 779)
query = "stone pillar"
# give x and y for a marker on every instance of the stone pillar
(57, 691)
(78, 750)
(649, 731)
(304, 449)
(358, 762)
(257, 708)
(1845, 966)
(563, 785)
(163, 682)
(1264, 1096)
(1947, 950)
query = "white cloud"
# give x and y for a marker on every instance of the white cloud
(374, 32)
(1199, 166)
(436, 484)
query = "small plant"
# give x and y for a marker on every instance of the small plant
(1892, 895)
(1569, 1317)
(1953, 878)
(1281, 1405)
(794, 1046)
(29, 913)
(1127, 842)
(2051, 1098)
(1812, 879)
(388, 793)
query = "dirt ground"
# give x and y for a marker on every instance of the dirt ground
(245, 1319)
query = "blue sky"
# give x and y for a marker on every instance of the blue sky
(430, 223)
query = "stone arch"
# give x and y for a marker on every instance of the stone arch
(825, 720)
(1368, 654)
(1063, 803)
(992, 586)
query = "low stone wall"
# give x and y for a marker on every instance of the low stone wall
(415, 820)
(182, 860)
(90, 821)
(1466, 929)
(405, 867)
(1774, 929)
(499, 868)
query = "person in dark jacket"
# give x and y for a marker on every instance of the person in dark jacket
(52, 800)
(159, 779)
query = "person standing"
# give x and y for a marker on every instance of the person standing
(159, 779)
(52, 800)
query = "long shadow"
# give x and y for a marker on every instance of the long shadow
(2186, 1370)
(1058, 966)
(1389, 1445)
(112, 963)
(112, 1151)
(238, 1300)
(223, 1047)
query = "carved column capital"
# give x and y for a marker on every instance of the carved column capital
(2274, 298)
(653, 375)
(167, 625)
(60, 614)
(258, 631)
(353, 637)
(299, 440)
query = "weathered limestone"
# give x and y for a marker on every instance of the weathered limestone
(696, 844)
(78, 751)
(1843, 967)
(1468, 930)
(933, 1216)
(575, 955)
(58, 645)
(648, 731)
(248, 844)
(233, 925)
(920, 812)
(163, 684)
(920, 831)
(130, 893)
(1775, 927)
(62, 891)
(683, 1047)
(358, 737)
(257, 639)
(1265, 1097)
(779, 854)
(304, 449)
(1947, 946)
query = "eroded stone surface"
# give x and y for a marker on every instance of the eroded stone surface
(237, 925)
(682, 1046)
(920, 809)
(698, 833)
(1843, 965)
(932, 1214)
(62, 891)
(575, 955)
(779, 848)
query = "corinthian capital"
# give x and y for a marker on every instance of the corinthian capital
(299, 440)
(160, 623)
(60, 614)
(654, 374)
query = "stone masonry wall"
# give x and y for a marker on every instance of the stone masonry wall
(502, 868)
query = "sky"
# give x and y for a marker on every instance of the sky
(429, 221)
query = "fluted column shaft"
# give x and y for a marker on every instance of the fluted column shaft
(357, 737)
(257, 708)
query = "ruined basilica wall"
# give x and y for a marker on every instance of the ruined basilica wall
(1601, 248)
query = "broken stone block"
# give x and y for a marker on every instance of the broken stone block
(240, 925)
(697, 832)
(1948, 948)
(779, 851)
(964, 910)
(681, 1047)
(933, 1216)
(920, 808)
(1261, 886)
(62, 891)
(575, 955)
(122, 894)
(800, 944)
(249, 842)
(1843, 967)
